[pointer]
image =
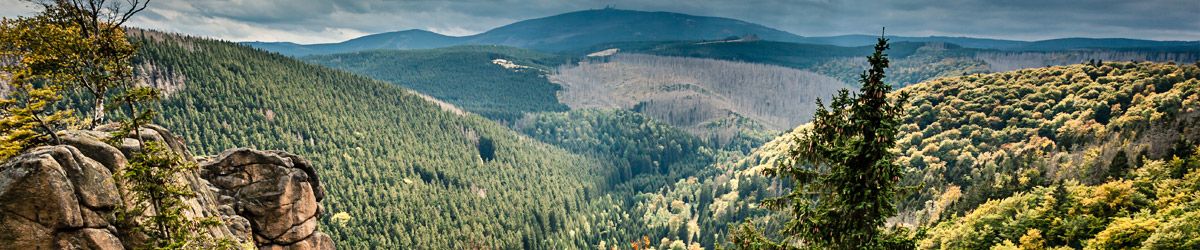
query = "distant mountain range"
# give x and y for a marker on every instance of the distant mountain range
(555, 33)
(1013, 45)
(582, 29)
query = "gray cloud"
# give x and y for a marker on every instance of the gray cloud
(311, 21)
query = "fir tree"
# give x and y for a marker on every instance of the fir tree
(845, 177)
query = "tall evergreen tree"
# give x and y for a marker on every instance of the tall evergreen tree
(845, 175)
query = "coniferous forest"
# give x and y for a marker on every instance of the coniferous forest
(600, 129)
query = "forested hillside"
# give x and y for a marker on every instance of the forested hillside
(405, 172)
(399, 171)
(1077, 155)
(666, 175)
(641, 147)
(912, 62)
(501, 83)
(695, 93)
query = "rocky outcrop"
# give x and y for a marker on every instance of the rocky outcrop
(278, 192)
(65, 197)
(54, 198)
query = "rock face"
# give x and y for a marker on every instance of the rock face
(54, 198)
(278, 192)
(65, 197)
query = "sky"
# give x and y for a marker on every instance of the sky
(323, 21)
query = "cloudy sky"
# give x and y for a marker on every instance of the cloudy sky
(317, 21)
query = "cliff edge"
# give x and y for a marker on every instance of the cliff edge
(65, 196)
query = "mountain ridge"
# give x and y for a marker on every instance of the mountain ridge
(554, 33)
(581, 29)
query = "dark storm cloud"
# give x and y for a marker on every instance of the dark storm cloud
(310, 21)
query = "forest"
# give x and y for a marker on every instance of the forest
(466, 76)
(400, 171)
(912, 61)
(686, 144)
(1009, 140)
(1079, 156)
(692, 93)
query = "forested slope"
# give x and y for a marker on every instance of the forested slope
(1089, 130)
(692, 93)
(912, 62)
(400, 171)
(983, 148)
(665, 176)
(500, 83)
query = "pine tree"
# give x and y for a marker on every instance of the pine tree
(845, 177)
(1119, 165)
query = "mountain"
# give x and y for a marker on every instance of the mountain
(584, 28)
(713, 99)
(497, 82)
(408, 39)
(588, 28)
(556, 33)
(400, 170)
(698, 95)
(912, 62)
(1010, 45)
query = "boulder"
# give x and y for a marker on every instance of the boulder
(318, 240)
(93, 145)
(34, 187)
(22, 233)
(88, 238)
(49, 197)
(94, 184)
(278, 193)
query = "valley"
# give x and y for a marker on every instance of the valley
(619, 129)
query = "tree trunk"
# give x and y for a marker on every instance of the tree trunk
(97, 112)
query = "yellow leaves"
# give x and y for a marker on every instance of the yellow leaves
(948, 197)
(1124, 233)
(1113, 198)
(341, 218)
(1032, 240)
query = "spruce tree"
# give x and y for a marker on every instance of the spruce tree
(845, 177)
